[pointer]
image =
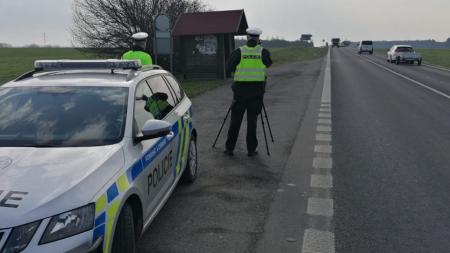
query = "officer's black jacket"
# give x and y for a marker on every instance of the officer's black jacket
(235, 59)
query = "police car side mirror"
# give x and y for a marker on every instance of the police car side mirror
(154, 129)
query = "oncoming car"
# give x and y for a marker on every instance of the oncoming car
(89, 153)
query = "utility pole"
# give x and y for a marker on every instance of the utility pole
(45, 39)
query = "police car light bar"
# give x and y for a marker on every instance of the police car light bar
(43, 65)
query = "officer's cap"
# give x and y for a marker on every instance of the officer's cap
(140, 36)
(255, 32)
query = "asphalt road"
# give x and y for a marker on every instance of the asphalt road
(360, 164)
(391, 143)
(227, 208)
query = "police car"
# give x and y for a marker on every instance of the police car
(89, 153)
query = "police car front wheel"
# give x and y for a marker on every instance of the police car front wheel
(124, 236)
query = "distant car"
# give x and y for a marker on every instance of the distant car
(403, 54)
(365, 46)
(89, 153)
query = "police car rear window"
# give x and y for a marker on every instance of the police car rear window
(62, 116)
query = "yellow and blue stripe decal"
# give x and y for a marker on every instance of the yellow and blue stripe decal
(107, 205)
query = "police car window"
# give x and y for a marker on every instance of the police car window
(62, 116)
(176, 87)
(162, 100)
(141, 111)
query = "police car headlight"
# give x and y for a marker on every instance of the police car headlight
(69, 224)
(20, 237)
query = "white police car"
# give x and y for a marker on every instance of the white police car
(89, 153)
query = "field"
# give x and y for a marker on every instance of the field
(16, 61)
(286, 55)
(439, 57)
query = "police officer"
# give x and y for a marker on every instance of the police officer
(138, 50)
(157, 105)
(249, 65)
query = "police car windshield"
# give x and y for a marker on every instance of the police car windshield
(62, 116)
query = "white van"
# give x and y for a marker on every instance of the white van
(365, 46)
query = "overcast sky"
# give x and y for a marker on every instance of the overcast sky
(25, 21)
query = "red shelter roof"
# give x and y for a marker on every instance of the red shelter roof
(207, 23)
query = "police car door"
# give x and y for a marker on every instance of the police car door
(183, 112)
(155, 101)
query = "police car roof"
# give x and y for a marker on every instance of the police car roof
(73, 78)
(120, 78)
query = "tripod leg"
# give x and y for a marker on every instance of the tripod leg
(221, 128)
(265, 135)
(268, 123)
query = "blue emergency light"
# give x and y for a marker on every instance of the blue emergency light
(48, 65)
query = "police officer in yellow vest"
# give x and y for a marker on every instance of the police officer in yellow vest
(249, 65)
(157, 105)
(138, 50)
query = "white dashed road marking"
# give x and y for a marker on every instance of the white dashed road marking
(325, 115)
(326, 129)
(323, 149)
(324, 121)
(322, 181)
(320, 207)
(323, 137)
(322, 163)
(322, 204)
(315, 241)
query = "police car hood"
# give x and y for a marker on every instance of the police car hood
(37, 183)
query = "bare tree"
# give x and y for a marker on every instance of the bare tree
(110, 23)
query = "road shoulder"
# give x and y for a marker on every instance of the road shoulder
(288, 218)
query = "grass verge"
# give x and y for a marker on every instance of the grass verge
(294, 54)
(16, 61)
(195, 88)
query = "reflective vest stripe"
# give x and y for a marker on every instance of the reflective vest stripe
(252, 70)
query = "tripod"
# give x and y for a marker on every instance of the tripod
(262, 122)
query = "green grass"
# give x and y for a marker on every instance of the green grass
(195, 88)
(16, 61)
(288, 55)
(440, 57)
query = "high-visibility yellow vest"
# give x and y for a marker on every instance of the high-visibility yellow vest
(251, 68)
(156, 107)
(145, 58)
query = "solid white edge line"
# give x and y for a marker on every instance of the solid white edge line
(436, 67)
(409, 79)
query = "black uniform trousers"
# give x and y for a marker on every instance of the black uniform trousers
(247, 97)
